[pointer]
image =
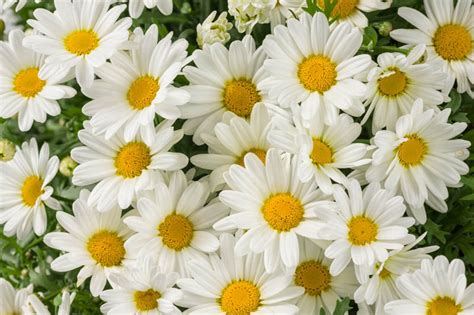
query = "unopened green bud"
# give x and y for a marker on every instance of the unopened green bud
(384, 28)
(7, 150)
(186, 8)
(66, 166)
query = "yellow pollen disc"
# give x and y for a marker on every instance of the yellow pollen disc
(393, 84)
(146, 300)
(240, 96)
(362, 231)
(142, 92)
(343, 8)
(282, 212)
(81, 42)
(132, 159)
(412, 151)
(106, 248)
(27, 83)
(452, 42)
(442, 306)
(313, 277)
(31, 190)
(176, 231)
(240, 298)
(321, 153)
(261, 154)
(317, 73)
(384, 273)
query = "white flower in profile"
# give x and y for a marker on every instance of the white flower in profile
(210, 31)
(9, 21)
(247, 13)
(282, 10)
(135, 7)
(21, 301)
(6, 4)
(66, 301)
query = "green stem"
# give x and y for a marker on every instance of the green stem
(64, 199)
(380, 49)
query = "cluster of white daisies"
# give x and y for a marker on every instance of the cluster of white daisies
(281, 223)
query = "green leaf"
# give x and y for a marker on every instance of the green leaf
(434, 229)
(455, 101)
(468, 198)
(370, 37)
(342, 306)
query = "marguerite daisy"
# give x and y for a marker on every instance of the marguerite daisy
(79, 34)
(135, 86)
(22, 91)
(230, 284)
(135, 7)
(6, 4)
(93, 241)
(448, 33)
(121, 167)
(419, 159)
(283, 10)
(21, 301)
(24, 191)
(312, 64)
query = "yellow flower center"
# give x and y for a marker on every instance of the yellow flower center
(240, 96)
(317, 73)
(452, 42)
(313, 277)
(343, 8)
(321, 153)
(146, 300)
(27, 83)
(412, 151)
(132, 159)
(393, 84)
(31, 190)
(362, 231)
(442, 306)
(240, 298)
(282, 212)
(176, 231)
(142, 92)
(261, 154)
(81, 42)
(106, 248)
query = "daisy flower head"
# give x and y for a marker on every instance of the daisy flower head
(438, 287)
(122, 168)
(6, 4)
(248, 13)
(397, 82)
(9, 21)
(448, 33)
(284, 10)
(93, 240)
(223, 80)
(419, 159)
(79, 34)
(314, 65)
(230, 284)
(21, 301)
(135, 86)
(135, 7)
(210, 31)
(174, 224)
(272, 204)
(24, 190)
(22, 91)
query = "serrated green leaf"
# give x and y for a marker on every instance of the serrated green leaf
(342, 306)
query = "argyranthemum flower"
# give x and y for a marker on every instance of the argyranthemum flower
(142, 288)
(284, 10)
(247, 13)
(322, 150)
(174, 224)
(437, 288)
(10, 21)
(273, 206)
(135, 7)
(231, 284)
(79, 34)
(365, 226)
(93, 241)
(121, 168)
(397, 82)
(210, 31)
(419, 159)
(21, 89)
(223, 80)
(21, 301)
(232, 141)
(448, 34)
(6, 4)
(24, 191)
(134, 87)
(311, 64)
(322, 290)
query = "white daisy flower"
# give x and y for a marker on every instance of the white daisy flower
(79, 34)
(230, 284)
(284, 10)
(210, 31)
(223, 80)
(273, 205)
(247, 13)
(122, 168)
(438, 287)
(322, 290)
(135, 7)
(6, 4)
(448, 33)
(93, 240)
(24, 191)
(13, 301)
(142, 289)
(397, 82)
(232, 141)
(312, 64)
(322, 150)
(174, 224)
(135, 86)
(365, 226)
(9, 21)
(22, 91)
(420, 158)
